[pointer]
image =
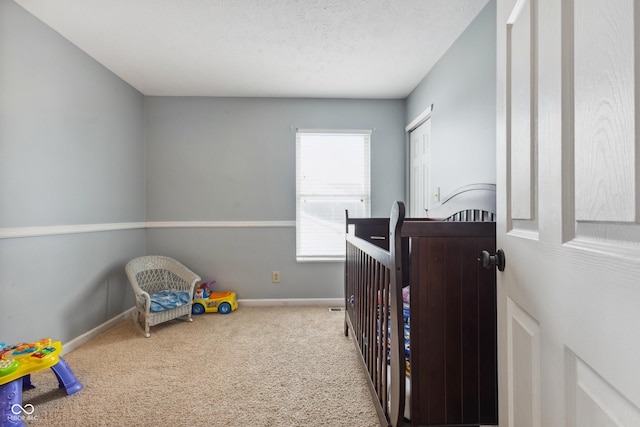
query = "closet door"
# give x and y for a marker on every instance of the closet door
(568, 212)
(419, 141)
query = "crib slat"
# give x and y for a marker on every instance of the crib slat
(368, 280)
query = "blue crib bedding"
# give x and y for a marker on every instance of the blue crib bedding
(406, 312)
(169, 299)
(407, 337)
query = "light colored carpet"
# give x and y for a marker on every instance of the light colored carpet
(258, 366)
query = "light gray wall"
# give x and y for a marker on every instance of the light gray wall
(71, 152)
(233, 159)
(462, 89)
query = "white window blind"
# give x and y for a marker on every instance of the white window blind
(332, 175)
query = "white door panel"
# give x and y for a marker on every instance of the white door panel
(420, 141)
(523, 371)
(521, 107)
(604, 95)
(569, 298)
(594, 402)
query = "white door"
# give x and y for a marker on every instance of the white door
(568, 211)
(419, 141)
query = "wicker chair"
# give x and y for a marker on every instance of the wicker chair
(163, 288)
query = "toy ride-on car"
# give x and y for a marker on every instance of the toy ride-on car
(206, 301)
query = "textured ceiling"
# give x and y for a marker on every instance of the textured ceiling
(263, 48)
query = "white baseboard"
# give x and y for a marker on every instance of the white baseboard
(87, 336)
(291, 302)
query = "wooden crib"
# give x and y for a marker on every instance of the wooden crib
(445, 371)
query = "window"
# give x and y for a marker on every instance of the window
(332, 175)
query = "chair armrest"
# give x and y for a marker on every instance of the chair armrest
(147, 300)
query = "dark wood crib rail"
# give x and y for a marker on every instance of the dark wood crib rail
(453, 317)
(373, 299)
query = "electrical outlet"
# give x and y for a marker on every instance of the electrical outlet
(275, 277)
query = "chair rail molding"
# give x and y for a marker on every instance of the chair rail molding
(53, 230)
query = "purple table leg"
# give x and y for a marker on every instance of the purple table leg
(26, 383)
(10, 403)
(65, 376)
(11, 409)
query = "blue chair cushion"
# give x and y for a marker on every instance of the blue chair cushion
(166, 300)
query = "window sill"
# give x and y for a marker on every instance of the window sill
(319, 259)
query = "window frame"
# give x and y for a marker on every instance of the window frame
(364, 196)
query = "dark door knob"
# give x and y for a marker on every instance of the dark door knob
(497, 260)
